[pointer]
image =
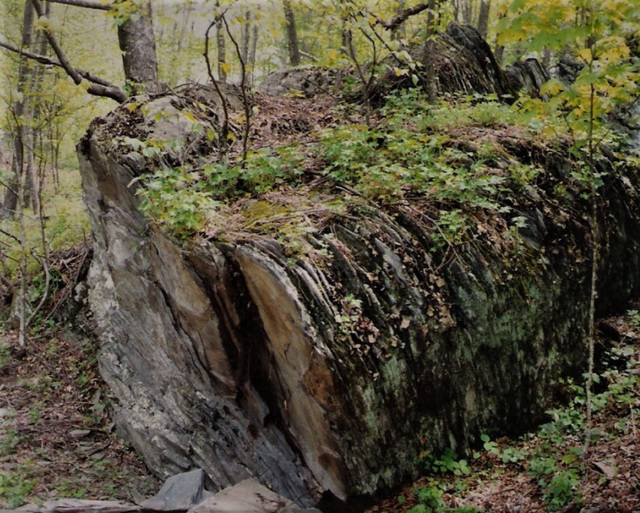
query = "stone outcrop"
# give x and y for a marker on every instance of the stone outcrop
(304, 80)
(322, 374)
(527, 76)
(462, 62)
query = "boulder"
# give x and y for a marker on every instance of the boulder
(462, 62)
(322, 373)
(527, 76)
(304, 81)
(324, 377)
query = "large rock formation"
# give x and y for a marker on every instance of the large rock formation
(322, 374)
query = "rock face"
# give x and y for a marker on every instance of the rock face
(323, 378)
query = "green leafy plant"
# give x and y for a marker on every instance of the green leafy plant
(634, 319)
(503, 454)
(177, 201)
(560, 491)
(448, 462)
(10, 441)
(15, 489)
(429, 498)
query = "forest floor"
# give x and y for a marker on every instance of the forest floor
(56, 436)
(57, 440)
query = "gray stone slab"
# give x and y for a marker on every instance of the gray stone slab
(87, 506)
(179, 493)
(247, 496)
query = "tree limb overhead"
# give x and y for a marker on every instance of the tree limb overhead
(47, 61)
(401, 17)
(95, 88)
(85, 3)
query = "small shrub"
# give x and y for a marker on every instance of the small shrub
(447, 463)
(15, 489)
(560, 491)
(430, 500)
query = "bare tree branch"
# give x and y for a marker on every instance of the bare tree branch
(223, 130)
(85, 3)
(47, 61)
(401, 17)
(96, 89)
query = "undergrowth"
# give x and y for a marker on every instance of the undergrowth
(56, 436)
(409, 153)
(66, 224)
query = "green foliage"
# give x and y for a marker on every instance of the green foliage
(178, 201)
(634, 319)
(14, 488)
(66, 224)
(503, 454)
(184, 200)
(599, 34)
(264, 170)
(559, 486)
(560, 491)
(125, 10)
(412, 154)
(10, 441)
(448, 463)
(5, 351)
(429, 500)
(409, 154)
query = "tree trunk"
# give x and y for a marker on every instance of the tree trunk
(347, 40)
(430, 78)
(464, 11)
(138, 46)
(251, 64)
(222, 53)
(292, 34)
(182, 26)
(399, 32)
(33, 136)
(246, 37)
(483, 17)
(19, 113)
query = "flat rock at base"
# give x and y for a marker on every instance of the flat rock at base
(82, 506)
(247, 497)
(6, 412)
(27, 508)
(179, 493)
